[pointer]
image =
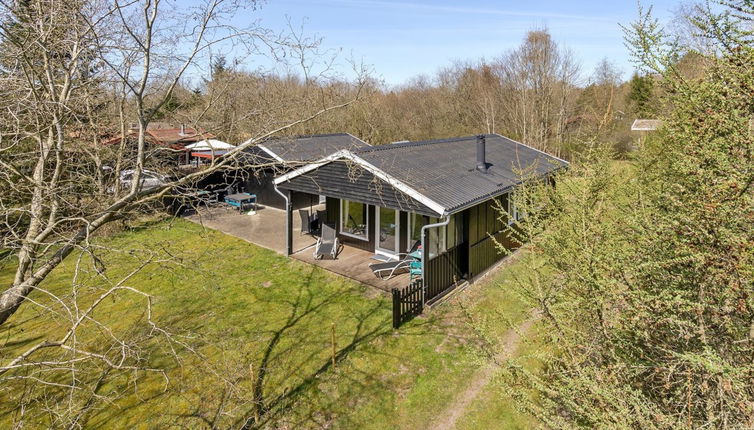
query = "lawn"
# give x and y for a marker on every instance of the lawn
(258, 319)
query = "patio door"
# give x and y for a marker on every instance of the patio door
(387, 226)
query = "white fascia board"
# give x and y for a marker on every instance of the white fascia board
(348, 155)
(270, 153)
(309, 167)
(400, 186)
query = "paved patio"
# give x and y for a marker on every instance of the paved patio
(266, 228)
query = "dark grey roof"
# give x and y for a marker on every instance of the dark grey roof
(311, 148)
(445, 171)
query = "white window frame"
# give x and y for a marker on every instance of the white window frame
(514, 214)
(377, 249)
(365, 238)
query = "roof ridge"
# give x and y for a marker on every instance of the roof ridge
(306, 136)
(422, 142)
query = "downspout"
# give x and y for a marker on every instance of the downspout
(288, 237)
(443, 223)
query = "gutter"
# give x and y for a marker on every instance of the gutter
(443, 223)
(288, 237)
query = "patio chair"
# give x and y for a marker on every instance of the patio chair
(389, 269)
(321, 218)
(327, 244)
(306, 224)
(415, 270)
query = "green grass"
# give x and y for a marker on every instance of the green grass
(244, 308)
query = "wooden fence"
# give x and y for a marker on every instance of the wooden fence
(407, 302)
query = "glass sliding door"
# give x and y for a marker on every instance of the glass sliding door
(388, 227)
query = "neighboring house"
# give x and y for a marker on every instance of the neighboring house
(444, 193)
(283, 154)
(644, 126)
(174, 139)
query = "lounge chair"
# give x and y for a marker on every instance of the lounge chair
(327, 244)
(389, 269)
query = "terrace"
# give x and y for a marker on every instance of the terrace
(266, 228)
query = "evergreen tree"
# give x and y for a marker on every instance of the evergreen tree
(640, 95)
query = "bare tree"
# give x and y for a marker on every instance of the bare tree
(69, 73)
(538, 81)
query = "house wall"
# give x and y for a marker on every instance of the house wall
(349, 181)
(475, 250)
(262, 186)
(485, 220)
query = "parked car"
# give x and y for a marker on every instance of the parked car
(149, 179)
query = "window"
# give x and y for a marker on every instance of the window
(514, 213)
(354, 219)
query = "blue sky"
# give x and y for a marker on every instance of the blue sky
(404, 38)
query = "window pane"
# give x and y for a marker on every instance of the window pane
(353, 218)
(388, 229)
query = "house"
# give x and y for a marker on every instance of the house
(168, 144)
(646, 124)
(642, 127)
(443, 193)
(282, 154)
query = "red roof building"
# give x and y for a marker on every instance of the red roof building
(175, 138)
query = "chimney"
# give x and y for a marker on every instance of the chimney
(481, 155)
(183, 129)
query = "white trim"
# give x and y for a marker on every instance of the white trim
(270, 153)
(531, 147)
(400, 186)
(308, 168)
(397, 244)
(395, 183)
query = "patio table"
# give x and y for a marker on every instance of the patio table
(242, 201)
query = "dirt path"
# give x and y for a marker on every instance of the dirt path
(480, 379)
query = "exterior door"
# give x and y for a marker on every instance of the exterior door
(388, 227)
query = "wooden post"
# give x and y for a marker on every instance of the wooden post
(254, 390)
(334, 345)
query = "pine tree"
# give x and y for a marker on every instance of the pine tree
(640, 95)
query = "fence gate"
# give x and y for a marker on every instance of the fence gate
(407, 303)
